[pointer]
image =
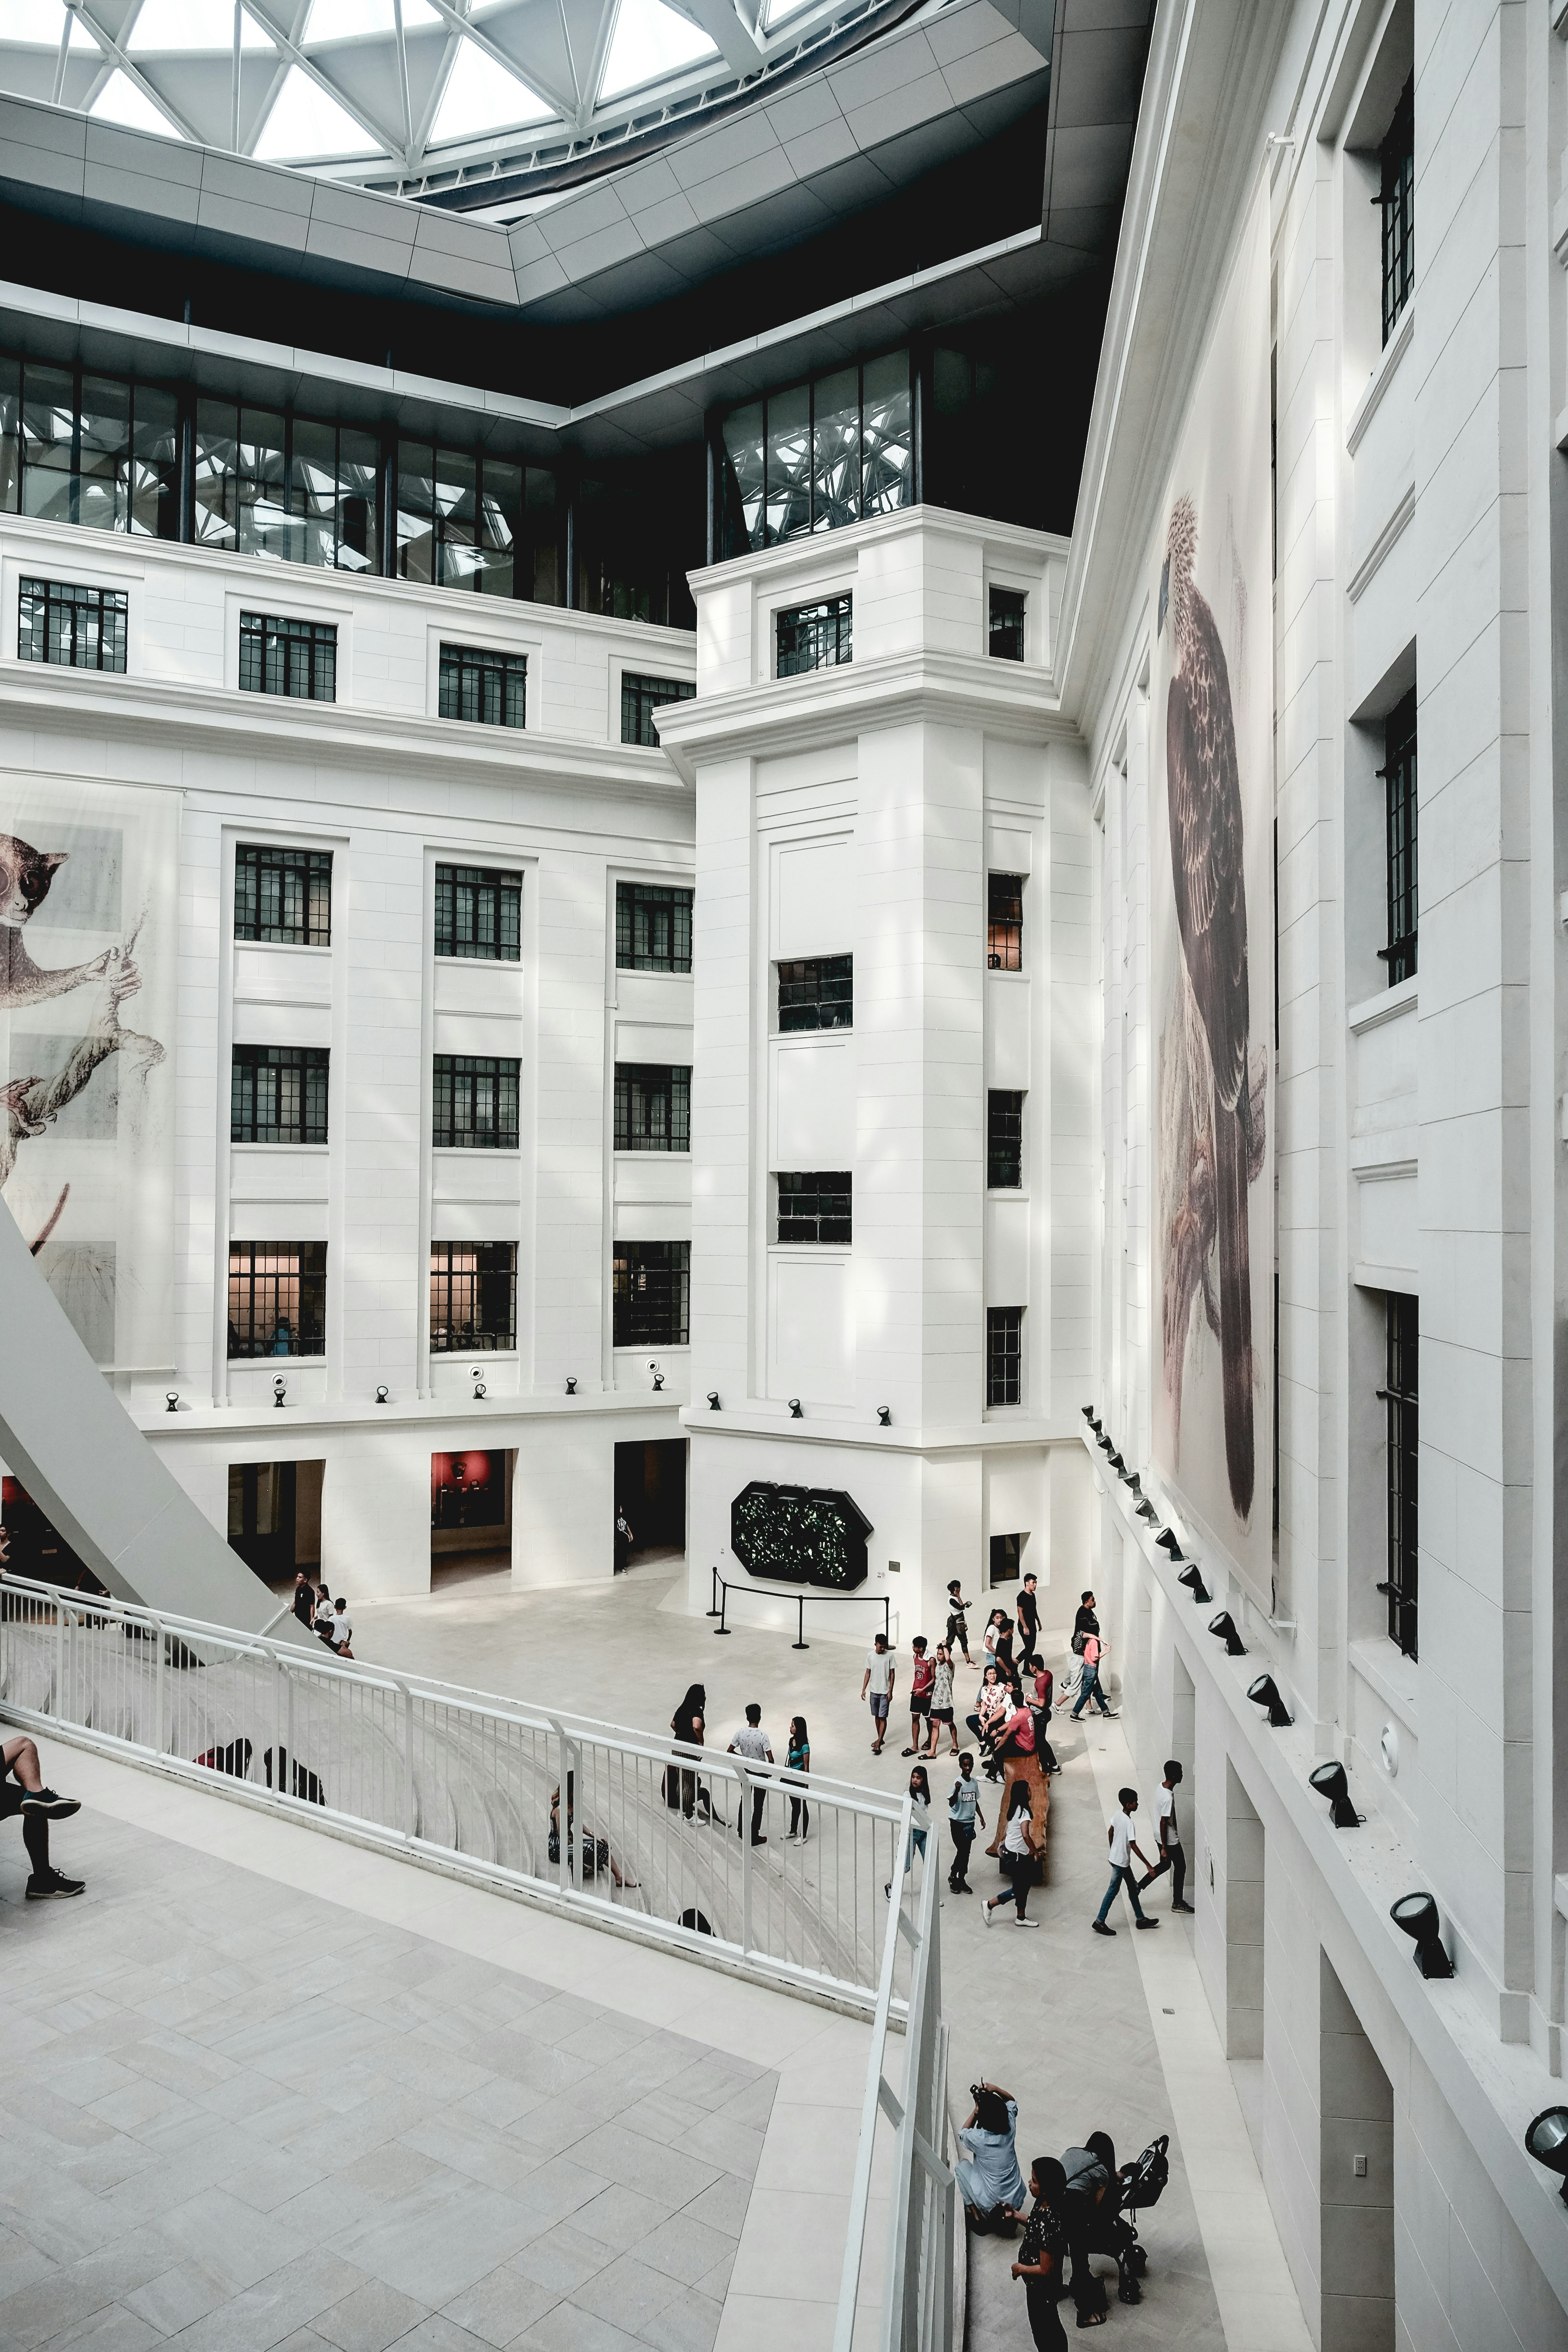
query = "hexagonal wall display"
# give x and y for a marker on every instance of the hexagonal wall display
(802, 1535)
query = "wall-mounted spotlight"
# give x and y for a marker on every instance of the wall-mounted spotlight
(1330, 1781)
(884, 1416)
(713, 1400)
(1167, 1539)
(1130, 1478)
(658, 1383)
(1547, 2142)
(1116, 1462)
(478, 1385)
(1417, 1916)
(571, 1383)
(1192, 1575)
(1223, 1628)
(1265, 1692)
(1103, 1441)
(1146, 1511)
(171, 1398)
(795, 1410)
(381, 1392)
(280, 1390)
(1087, 1413)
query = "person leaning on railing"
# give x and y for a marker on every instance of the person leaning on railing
(38, 1806)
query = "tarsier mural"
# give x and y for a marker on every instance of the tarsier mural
(32, 1103)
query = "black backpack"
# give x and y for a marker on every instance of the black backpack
(1146, 2179)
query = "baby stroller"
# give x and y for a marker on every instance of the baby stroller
(1103, 2205)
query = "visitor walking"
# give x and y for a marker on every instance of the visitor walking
(923, 1675)
(304, 1598)
(1123, 1846)
(963, 1816)
(942, 1700)
(1028, 1623)
(1171, 1858)
(1088, 1678)
(957, 1620)
(1085, 1621)
(1043, 2252)
(752, 1742)
(877, 1683)
(919, 1821)
(1017, 1856)
(684, 1789)
(797, 1756)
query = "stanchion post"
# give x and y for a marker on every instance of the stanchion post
(802, 1643)
(721, 1627)
(713, 1594)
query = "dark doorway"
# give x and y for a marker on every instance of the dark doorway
(35, 1546)
(275, 1517)
(650, 1495)
(470, 1512)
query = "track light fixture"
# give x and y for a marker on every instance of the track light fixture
(795, 1410)
(884, 1416)
(381, 1392)
(1192, 1575)
(1330, 1781)
(571, 1383)
(1265, 1692)
(658, 1383)
(713, 1400)
(1547, 2142)
(1417, 1916)
(1146, 1511)
(479, 1391)
(280, 1390)
(1116, 1462)
(1223, 1628)
(1088, 1413)
(1103, 1441)
(171, 1398)
(1167, 1539)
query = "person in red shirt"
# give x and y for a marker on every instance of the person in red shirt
(922, 1675)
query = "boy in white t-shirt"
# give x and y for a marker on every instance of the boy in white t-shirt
(877, 1680)
(1123, 1846)
(1172, 1857)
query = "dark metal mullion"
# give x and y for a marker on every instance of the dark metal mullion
(75, 498)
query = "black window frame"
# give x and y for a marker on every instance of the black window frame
(478, 686)
(828, 486)
(478, 913)
(247, 1064)
(641, 696)
(1006, 1559)
(1396, 201)
(645, 911)
(1398, 773)
(1006, 622)
(818, 635)
(816, 993)
(1005, 921)
(308, 1271)
(1004, 1138)
(303, 874)
(1401, 1401)
(650, 1295)
(96, 621)
(1005, 1355)
(487, 1287)
(640, 1087)
(280, 655)
(816, 1205)
(458, 1083)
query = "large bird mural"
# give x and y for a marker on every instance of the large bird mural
(1204, 792)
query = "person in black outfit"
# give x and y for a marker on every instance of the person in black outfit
(304, 1598)
(1085, 1621)
(684, 1789)
(38, 1806)
(1028, 1623)
(1039, 2263)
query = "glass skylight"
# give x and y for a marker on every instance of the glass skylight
(120, 101)
(339, 20)
(305, 125)
(42, 21)
(650, 42)
(192, 24)
(482, 96)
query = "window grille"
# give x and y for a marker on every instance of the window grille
(818, 993)
(1398, 773)
(817, 456)
(653, 1107)
(278, 1094)
(1005, 922)
(815, 1207)
(653, 927)
(473, 1297)
(489, 688)
(81, 628)
(650, 1293)
(1009, 606)
(478, 913)
(1397, 200)
(475, 1103)
(298, 658)
(814, 636)
(1004, 1355)
(284, 895)
(641, 696)
(277, 1298)
(1401, 1404)
(1004, 1140)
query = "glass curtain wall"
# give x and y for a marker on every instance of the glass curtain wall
(89, 450)
(269, 483)
(816, 455)
(472, 521)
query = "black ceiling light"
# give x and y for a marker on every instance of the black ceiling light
(1330, 1781)
(1191, 1577)
(1167, 1540)
(1223, 1628)
(1417, 1915)
(1547, 2142)
(1265, 1692)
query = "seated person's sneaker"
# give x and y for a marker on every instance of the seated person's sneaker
(53, 1808)
(54, 1888)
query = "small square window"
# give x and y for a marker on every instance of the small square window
(297, 658)
(284, 895)
(818, 993)
(473, 1297)
(478, 913)
(277, 1298)
(1008, 608)
(814, 636)
(641, 696)
(79, 628)
(474, 1102)
(278, 1094)
(651, 1289)
(488, 690)
(815, 1207)
(653, 927)
(653, 1107)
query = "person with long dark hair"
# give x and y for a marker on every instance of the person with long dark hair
(919, 1821)
(989, 2181)
(682, 1789)
(797, 1756)
(1040, 2257)
(1017, 1856)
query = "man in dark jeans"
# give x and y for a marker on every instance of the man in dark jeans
(752, 1742)
(38, 1806)
(963, 1817)
(1029, 1623)
(1085, 1621)
(1171, 1858)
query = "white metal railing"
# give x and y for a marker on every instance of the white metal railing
(916, 2313)
(463, 1782)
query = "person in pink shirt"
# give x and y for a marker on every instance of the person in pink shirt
(923, 1675)
(1089, 1681)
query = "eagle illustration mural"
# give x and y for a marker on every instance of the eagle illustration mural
(1204, 792)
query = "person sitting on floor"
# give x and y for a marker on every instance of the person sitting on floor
(38, 1806)
(989, 2181)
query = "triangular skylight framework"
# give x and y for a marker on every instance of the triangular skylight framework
(650, 43)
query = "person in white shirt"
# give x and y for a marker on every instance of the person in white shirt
(1171, 1858)
(752, 1741)
(1017, 1856)
(341, 1632)
(879, 1679)
(1123, 1846)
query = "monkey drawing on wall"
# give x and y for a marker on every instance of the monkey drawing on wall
(25, 873)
